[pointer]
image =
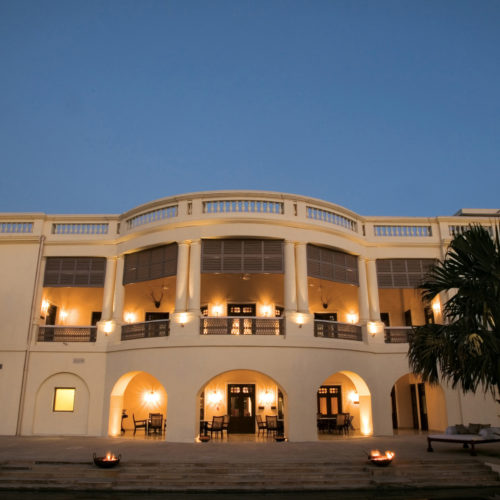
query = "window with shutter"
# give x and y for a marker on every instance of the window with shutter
(332, 265)
(150, 264)
(242, 256)
(75, 272)
(402, 273)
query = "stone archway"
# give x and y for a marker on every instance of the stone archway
(136, 393)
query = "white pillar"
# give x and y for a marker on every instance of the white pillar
(119, 297)
(373, 290)
(181, 283)
(194, 289)
(290, 285)
(109, 284)
(364, 304)
(301, 274)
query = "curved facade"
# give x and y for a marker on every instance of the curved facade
(220, 303)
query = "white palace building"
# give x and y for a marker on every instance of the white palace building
(241, 303)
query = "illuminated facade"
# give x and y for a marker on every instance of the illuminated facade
(221, 303)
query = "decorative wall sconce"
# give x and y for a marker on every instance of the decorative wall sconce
(217, 310)
(354, 397)
(108, 327)
(266, 398)
(183, 319)
(436, 307)
(63, 315)
(265, 311)
(352, 318)
(151, 398)
(215, 398)
(300, 320)
(372, 328)
(45, 308)
(129, 317)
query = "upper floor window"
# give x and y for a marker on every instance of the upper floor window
(150, 264)
(332, 265)
(75, 271)
(402, 273)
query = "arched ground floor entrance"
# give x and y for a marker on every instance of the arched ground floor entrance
(417, 406)
(241, 403)
(344, 406)
(138, 406)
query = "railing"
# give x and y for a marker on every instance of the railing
(403, 231)
(56, 333)
(336, 330)
(332, 218)
(456, 230)
(242, 206)
(16, 227)
(152, 216)
(397, 334)
(242, 325)
(147, 329)
(80, 228)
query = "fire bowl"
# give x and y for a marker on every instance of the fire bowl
(204, 439)
(279, 438)
(376, 458)
(108, 461)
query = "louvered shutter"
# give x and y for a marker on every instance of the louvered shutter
(402, 273)
(75, 271)
(332, 265)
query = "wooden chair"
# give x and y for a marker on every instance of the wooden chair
(261, 425)
(341, 423)
(155, 422)
(225, 425)
(139, 424)
(216, 425)
(271, 424)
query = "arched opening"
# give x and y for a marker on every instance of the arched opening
(135, 398)
(344, 406)
(249, 400)
(417, 406)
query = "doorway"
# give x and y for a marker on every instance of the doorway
(329, 400)
(241, 407)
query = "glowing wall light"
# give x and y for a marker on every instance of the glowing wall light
(265, 311)
(352, 318)
(372, 328)
(354, 397)
(129, 317)
(436, 307)
(63, 315)
(108, 327)
(215, 398)
(300, 319)
(45, 307)
(217, 310)
(151, 398)
(183, 318)
(266, 398)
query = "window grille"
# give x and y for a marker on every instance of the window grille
(332, 265)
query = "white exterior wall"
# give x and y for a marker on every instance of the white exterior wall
(184, 362)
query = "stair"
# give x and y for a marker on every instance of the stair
(265, 476)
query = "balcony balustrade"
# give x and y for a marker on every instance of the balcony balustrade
(146, 329)
(337, 330)
(238, 325)
(55, 333)
(397, 334)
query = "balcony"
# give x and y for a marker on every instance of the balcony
(337, 330)
(397, 334)
(67, 333)
(237, 325)
(146, 329)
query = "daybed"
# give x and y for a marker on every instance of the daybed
(468, 436)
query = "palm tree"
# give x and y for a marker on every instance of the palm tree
(465, 350)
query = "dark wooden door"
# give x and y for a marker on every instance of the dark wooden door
(424, 422)
(329, 400)
(414, 406)
(241, 407)
(394, 409)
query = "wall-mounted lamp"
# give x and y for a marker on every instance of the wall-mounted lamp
(372, 328)
(215, 398)
(352, 318)
(151, 398)
(63, 315)
(354, 397)
(107, 327)
(266, 398)
(436, 307)
(217, 310)
(129, 317)
(183, 318)
(45, 307)
(300, 320)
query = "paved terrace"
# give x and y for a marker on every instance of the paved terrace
(65, 463)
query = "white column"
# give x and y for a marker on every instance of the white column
(290, 284)
(301, 274)
(181, 283)
(364, 304)
(119, 297)
(373, 290)
(194, 290)
(109, 283)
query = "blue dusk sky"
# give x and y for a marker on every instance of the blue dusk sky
(383, 107)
